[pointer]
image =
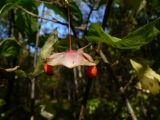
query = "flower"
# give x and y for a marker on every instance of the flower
(70, 59)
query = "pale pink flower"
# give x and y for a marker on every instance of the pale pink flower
(70, 59)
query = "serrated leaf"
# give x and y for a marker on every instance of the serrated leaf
(148, 78)
(9, 48)
(133, 40)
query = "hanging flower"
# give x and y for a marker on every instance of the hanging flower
(70, 59)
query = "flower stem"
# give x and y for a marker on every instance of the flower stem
(69, 29)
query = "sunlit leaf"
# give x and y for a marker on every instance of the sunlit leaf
(92, 105)
(133, 40)
(45, 52)
(148, 78)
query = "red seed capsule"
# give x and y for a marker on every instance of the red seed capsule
(48, 69)
(91, 71)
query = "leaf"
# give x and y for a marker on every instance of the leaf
(48, 46)
(45, 52)
(46, 114)
(5, 6)
(26, 24)
(136, 5)
(57, 9)
(21, 74)
(75, 13)
(148, 78)
(133, 40)
(92, 105)
(9, 48)
(2, 102)
(137, 66)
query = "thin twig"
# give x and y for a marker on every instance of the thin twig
(69, 28)
(35, 63)
(122, 90)
(130, 109)
(85, 98)
(128, 104)
(111, 74)
(41, 17)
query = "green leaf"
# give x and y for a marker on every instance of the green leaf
(12, 4)
(75, 13)
(136, 5)
(45, 52)
(26, 25)
(9, 48)
(137, 66)
(21, 74)
(148, 78)
(133, 40)
(92, 105)
(57, 9)
(2, 102)
(6, 7)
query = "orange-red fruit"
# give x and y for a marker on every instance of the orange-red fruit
(48, 69)
(91, 71)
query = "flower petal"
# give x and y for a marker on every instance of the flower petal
(70, 59)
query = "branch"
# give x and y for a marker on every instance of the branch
(122, 90)
(128, 104)
(33, 84)
(130, 109)
(106, 14)
(41, 17)
(85, 98)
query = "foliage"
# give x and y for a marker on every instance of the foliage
(128, 67)
(9, 48)
(133, 40)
